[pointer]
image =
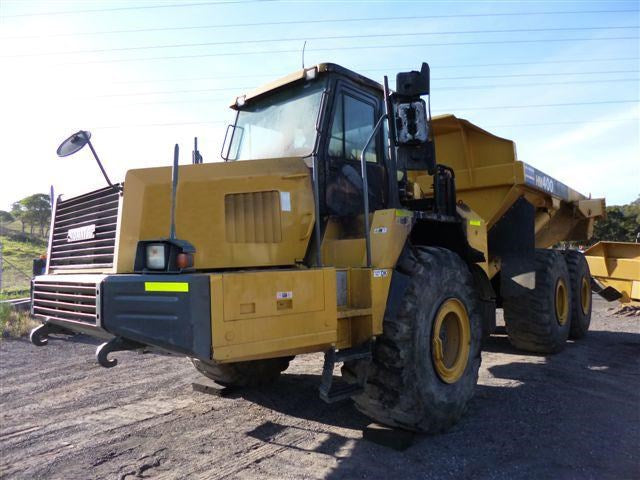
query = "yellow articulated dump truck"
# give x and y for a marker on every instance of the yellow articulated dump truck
(344, 220)
(615, 271)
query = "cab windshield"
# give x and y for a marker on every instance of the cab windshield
(279, 125)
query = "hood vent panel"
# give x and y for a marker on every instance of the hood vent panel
(253, 217)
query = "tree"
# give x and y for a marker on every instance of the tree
(621, 225)
(19, 212)
(34, 210)
(38, 210)
(5, 217)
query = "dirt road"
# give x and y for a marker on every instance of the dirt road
(575, 415)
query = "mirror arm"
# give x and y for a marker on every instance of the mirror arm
(117, 188)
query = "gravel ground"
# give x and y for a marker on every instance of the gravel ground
(574, 415)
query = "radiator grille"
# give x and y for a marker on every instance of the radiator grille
(253, 217)
(68, 301)
(84, 231)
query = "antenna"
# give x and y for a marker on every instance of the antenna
(196, 158)
(303, 47)
(174, 187)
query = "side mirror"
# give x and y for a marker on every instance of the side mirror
(74, 143)
(414, 84)
(411, 123)
(227, 143)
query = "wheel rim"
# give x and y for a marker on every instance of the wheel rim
(450, 340)
(562, 302)
(585, 295)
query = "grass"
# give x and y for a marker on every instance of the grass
(21, 254)
(16, 292)
(15, 324)
(18, 264)
(18, 251)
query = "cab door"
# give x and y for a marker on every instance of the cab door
(353, 117)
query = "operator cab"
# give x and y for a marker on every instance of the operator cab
(343, 125)
(328, 112)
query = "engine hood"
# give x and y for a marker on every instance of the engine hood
(237, 214)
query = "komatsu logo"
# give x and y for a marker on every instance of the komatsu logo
(81, 233)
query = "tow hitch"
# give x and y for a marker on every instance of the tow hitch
(117, 344)
(38, 335)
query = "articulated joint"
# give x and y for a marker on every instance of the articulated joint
(38, 335)
(117, 344)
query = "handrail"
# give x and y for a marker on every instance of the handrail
(316, 206)
(392, 163)
(365, 188)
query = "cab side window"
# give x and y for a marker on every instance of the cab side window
(353, 122)
(353, 119)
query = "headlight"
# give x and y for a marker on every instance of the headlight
(164, 255)
(156, 257)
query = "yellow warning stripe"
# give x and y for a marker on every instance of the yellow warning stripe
(475, 223)
(403, 213)
(166, 286)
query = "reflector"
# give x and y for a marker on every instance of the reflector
(74, 143)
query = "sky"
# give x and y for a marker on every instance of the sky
(559, 78)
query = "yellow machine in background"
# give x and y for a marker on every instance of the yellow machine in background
(615, 267)
(324, 231)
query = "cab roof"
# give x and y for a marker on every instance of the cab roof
(321, 69)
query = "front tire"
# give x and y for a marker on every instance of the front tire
(425, 364)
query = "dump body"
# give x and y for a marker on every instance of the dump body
(616, 265)
(490, 179)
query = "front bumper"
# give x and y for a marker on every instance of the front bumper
(168, 312)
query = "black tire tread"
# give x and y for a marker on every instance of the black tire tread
(530, 318)
(578, 266)
(391, 395)
(243, 374)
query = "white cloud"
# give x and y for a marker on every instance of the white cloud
(591, 131)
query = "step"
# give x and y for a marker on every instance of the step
(333, 392)
(357, 353)
(354, 312)
(340, 392)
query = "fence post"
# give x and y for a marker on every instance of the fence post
(1, 267)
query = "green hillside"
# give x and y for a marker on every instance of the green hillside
(17, 264)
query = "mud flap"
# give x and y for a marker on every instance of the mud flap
(513, 240)
(517, 276)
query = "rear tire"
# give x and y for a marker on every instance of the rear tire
(539, 319)
(243, 374)
(417, 380)
(580, 285)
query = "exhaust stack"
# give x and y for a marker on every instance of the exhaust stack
(174, 187)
